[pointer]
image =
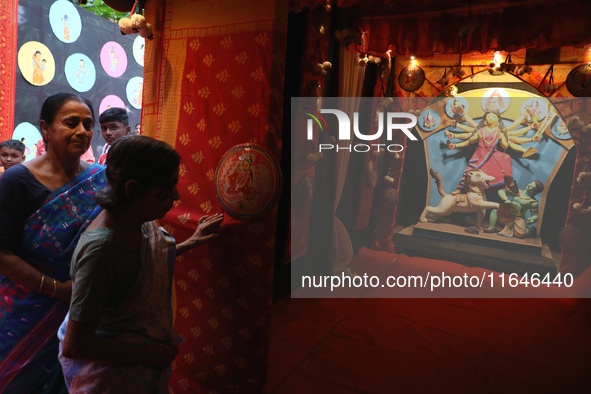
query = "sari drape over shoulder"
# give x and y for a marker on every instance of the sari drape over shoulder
(28, 319)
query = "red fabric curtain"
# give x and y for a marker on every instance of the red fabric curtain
(8, 51)
(540, 27)
(228, 97)
(214, 79)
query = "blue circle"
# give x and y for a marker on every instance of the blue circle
(31, 135)
(80, 72)
(451, 107)
(134, 92)
(65, 21)
(429, 120)
(542, 108)
(559, 129)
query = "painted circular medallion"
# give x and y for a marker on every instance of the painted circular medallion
(578, 81)
(411, 78)
(247, 181)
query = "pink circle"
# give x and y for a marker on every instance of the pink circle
(113, 59)
(111, 101)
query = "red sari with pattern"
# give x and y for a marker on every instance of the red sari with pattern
(489, 159)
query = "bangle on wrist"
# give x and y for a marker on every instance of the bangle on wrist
(54, 288)
(41, 284)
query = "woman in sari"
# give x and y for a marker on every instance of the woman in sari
(118, 336)
(38, 68)
(45, 204)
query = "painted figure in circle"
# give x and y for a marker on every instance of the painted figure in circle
(66, 28)
(240, 183)
(495, 102)
(38, 68)
(81, 72)
(457, 109)
(532, 114)
(429, 120)
(561, 128)
(140, 89)
(114, 59)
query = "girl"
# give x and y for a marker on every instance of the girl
(118, 336)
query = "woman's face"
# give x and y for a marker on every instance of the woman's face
(491, 118)
(70, 132)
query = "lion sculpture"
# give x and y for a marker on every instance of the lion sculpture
(471, 198)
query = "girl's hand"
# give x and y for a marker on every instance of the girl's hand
(208, 227)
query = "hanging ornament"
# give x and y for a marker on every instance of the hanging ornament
(136, 23)
(577, 81)
(321, 68)
(457, 71)
(303, 196)
(508, 64)
(247, 181)
(390, 196)
(411, 78)
(550, 86)
(443, 81)
(494, 67)
(525, 69)
(363, 60)
(469, 27)
(584, 180)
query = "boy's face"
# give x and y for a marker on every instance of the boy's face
(114, 130)
(10, 157)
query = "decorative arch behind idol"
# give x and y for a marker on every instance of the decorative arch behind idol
(64, 48)
(501, 131)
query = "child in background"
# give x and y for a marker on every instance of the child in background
(11, 152)
(118, 337)
(114, 125)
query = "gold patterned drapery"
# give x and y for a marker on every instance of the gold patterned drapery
(8, 50)
(214, 79)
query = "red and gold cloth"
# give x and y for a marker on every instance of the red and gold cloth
(213, 80)
(8, 50)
